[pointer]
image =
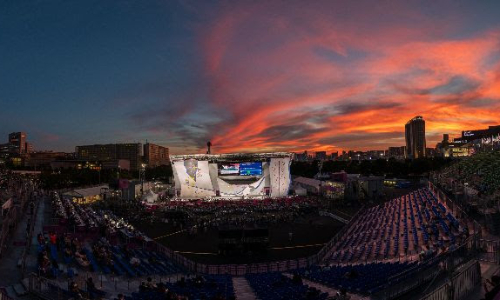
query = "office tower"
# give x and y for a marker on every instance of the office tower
(130, 151)
(415, 138)
(18, 139)
(155, 155)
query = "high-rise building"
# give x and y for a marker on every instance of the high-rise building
(415, 138)
(321, 155)
(471, 135)
(396, 152)
(18, 139)
(334, 155)
(132, 152)
(8, 150)
(42, 158)
(301, 156)
(29, 147)
(155, 155)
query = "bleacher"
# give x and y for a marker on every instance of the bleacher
(399, 229)
(365, 279)
(384, 241)
(276, 286)
(204, 287)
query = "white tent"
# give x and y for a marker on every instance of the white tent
(150, 197)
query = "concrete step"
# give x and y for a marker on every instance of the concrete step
(26, 283)
(242, 289)
(19, 289)
(10, 291)
(325, 289)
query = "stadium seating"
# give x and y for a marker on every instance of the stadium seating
(205, 287)
(398, 229)
(384, 241)
(275, 286)
(356, 278)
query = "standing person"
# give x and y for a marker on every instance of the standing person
(32, 207)
(28, 228)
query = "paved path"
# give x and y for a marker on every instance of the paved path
(242, 289)
(325, 289)
(43, 214)
(11, 272)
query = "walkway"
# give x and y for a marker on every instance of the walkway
(43, 214)
(11, 272)
(242, 289)
(325, 289)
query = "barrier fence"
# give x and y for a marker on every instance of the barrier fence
(327, 250)
(29, 237)
(489, 251)
(22, 192)
(458, 286)
(237, 269)
(45, 288)
(4, 296)
(410, 279)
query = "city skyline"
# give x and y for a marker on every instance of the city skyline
(323, 76)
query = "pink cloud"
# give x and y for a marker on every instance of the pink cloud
(264, 70)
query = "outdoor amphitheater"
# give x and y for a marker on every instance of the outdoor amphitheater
(232, 231)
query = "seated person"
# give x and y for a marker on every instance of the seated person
(134, 261)
(68, 252)
(41, 239)
(44, 264)
(81, 259)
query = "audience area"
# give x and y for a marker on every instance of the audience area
(415, 226)
(382, 242)
(362, 279)
(276, 286)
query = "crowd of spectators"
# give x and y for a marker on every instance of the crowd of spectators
(86, 218)
(201, 215)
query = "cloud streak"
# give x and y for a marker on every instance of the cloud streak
(308, 78)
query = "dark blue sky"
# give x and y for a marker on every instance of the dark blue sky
(248, 76)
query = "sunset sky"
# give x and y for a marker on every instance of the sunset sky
(247, 75)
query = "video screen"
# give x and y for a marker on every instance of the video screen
(229, 169)
(250, 168)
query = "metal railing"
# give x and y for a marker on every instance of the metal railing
(410, 279)
(459, 285)
(328, 248)
(489, 251)
(30, 233)
(4, 295)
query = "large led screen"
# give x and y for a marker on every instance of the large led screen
(229, 169)
(250, 168)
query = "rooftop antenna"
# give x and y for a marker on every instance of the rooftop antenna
(209, 144)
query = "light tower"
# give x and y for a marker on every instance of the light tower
(209, 144)
(142, 174)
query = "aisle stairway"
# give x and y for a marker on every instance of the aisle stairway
(242, 289)
(325, 289)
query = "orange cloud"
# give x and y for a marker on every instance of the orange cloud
(309, 80)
